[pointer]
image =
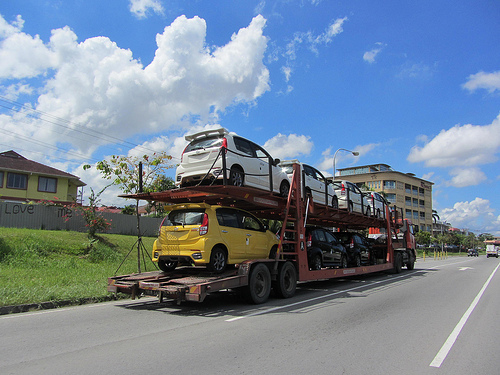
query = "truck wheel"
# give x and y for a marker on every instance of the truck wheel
(284, 189)
(218, 260)
(285, 285)
(259, 284)
(411, 263)
(398, 262)
(167, 265)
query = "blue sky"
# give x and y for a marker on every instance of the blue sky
(412, 84)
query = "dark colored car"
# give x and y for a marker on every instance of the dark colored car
(472, 253)
(359, 248)
(324, 249)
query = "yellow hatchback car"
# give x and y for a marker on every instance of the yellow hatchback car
(199, 234)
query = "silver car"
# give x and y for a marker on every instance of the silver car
(377, 203)
(351, 197)
(315, 184)
(247, 164)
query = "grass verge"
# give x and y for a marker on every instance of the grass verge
(40, 266)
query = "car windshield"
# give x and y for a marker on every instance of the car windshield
(185, 217)
(208, 142)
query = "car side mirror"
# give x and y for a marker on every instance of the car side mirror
(276, 162)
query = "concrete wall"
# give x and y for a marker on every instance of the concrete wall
(19, 215)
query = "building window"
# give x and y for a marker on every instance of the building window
(421, 192)
(391, 198)
(408, 189)
(1, 179)
(389, 184)
(47, 184)
(422, 215)
(414, 190)
(408, 201)
(17, 181)
(415, 202)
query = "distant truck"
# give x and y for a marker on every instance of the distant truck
(492, 248)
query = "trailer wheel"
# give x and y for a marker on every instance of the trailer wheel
(167, 265)
(286, 284)
(218, 260)
(398, 262)
(259, 284)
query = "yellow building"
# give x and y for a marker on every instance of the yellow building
(411, 194)
(26, 180)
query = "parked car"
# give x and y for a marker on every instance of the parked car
(247, 164)
(359, 248)
(199, 234)
(324, 249)
(472, 253)
(351, 198)
(377, 203)
(315, 184)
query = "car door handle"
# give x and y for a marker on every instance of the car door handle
(224, 231)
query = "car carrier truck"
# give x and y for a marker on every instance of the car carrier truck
(492, 248)
(257, 277)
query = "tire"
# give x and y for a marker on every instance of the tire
(167, 265)
(358, 260)
(351, 207)
(343, 262)
(398, 262)
(368, 211)
(286, 284)
(379, 216)
(272, 253)
(218, 260)
(259, 284)
(315, 262)
(284, 189)
(411, 263)
(236, 176)
(335, 203)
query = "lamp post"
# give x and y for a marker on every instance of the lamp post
(355, 153)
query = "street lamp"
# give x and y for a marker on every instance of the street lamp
(355, 153)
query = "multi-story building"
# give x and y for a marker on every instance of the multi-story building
(404, 190)
(26, 180)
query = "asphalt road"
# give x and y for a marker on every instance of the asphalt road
(441, 318)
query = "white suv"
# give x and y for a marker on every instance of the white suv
(377, 203)
(247, 164)
(351, 197)
(315, 184)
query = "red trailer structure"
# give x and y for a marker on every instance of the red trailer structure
(258, 276)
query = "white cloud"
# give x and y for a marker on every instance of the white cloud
(289, 146)
(369, 56)
(482, 80)
(463, 177)
(462, 145)
(473, 215)
(342, 157)
(95, 86)
(416, 71)
(141, 8)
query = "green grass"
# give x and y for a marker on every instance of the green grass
(40, 266)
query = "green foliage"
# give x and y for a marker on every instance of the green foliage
(129, 210)
(38, 265)
(423, 238)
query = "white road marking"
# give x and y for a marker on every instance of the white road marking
(445, 349)
(465, 268)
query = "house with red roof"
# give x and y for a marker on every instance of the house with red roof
(25, 180)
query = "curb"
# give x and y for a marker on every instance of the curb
(5, 310)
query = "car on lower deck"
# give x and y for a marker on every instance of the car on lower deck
(324, 249)
(198, 234)
(359, 248)
(247, 164)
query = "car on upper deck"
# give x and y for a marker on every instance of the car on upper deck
(247, 164)
(315, 184)
(351, 197)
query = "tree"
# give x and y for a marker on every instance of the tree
(133, 175)
(423, 238)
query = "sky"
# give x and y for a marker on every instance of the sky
(412, 84)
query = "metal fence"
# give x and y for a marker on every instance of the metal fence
(31, 216)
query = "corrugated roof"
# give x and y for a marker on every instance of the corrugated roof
(12, 161)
